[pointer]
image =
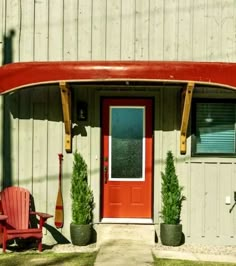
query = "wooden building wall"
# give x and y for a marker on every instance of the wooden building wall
(59, 30)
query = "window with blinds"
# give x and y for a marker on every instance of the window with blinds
(214, 128)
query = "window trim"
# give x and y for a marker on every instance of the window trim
(193, 127)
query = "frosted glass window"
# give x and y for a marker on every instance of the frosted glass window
(126, 142)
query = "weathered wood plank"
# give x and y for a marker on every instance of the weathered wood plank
(142, 30)
(26, 30)
(170, 30)
(40, 142)
(228, 39)
(127, 29)
(196, 199)
(113, 30)
(213, 34)
(99, 14)
(199, 30)
(210, 200)
(25, 139)
(41, 34)
(70, 30)
(185, 38)
(85, 19)
(225, 189)
(13, 26)
(156, 30)
(56, 34)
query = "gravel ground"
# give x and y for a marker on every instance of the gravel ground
(71, 248)
(204, 249)
(193, 248)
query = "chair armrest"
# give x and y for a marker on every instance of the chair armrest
(42, 215)
(3, 217)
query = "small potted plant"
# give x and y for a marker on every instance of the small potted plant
(82, 203)
(172, 198)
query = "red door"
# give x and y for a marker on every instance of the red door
(127, 158)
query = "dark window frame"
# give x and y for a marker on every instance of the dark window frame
(194, 153)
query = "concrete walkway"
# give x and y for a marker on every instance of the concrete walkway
(124, 252)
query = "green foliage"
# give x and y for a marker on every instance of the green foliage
(81, 193)
(171, 192)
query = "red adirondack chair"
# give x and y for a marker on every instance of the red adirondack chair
(15, 217)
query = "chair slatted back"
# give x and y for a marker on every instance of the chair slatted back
(15, 204)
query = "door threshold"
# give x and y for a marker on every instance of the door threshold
(127, 220)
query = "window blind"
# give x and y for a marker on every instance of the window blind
(215, 128)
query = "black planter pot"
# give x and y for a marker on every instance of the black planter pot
(80, 234)
(171, 234)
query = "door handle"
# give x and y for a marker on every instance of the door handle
(105, 177)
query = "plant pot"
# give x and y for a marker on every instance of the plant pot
(80, 234)
(171, 234)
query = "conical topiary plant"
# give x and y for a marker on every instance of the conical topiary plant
(172, 198)
(82, 203)
(171, 192)
(81, 193)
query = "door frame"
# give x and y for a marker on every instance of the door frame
(127, 220)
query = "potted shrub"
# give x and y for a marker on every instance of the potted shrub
(82, 203)
(172, 198)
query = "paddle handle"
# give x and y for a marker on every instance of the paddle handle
(59, 211)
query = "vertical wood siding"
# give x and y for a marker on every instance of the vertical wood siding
(124, 29)
(60, 30)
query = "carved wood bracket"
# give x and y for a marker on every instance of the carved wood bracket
(66, 108)
(186, 103)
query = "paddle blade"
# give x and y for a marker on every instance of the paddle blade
(59, 214)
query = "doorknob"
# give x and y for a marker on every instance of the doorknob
(105, 174)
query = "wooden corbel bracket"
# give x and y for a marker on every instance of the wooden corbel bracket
(187, 99)
(66, 108)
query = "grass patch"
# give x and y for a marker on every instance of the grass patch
(170, 262)
(48, 259)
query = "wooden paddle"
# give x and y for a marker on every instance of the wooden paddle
(59, 212)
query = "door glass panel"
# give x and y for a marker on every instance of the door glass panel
(127, 143)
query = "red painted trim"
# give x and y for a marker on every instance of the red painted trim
(18, 75)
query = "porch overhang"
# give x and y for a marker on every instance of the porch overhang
(26, 74)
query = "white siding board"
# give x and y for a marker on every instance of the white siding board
(224, 219)
(113, 30)
(41, 31)
(70, 30)
(26, 30)
(40, 146)
(213, 48)
(56, 37)
(233, 213)
(156, 30)
(13, 23)
(170, 30)
(142, 30)
(227, 28)
(25, 140)
(2, 28)
(99, 30)
(12, 117)
(196, 200)
(210, 208)
(199, 30)
(127, 30)
(85, 30)
(55, 146)
(184, 47)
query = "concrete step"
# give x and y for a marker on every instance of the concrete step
(144, 233)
